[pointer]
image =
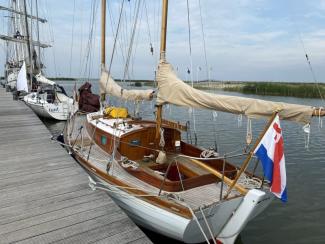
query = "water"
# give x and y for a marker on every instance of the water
(302, 219)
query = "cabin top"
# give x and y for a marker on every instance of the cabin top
(117, 127)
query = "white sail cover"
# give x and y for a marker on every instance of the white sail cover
(173, 90)
(42, 79)
(22, 79)
(109, 86)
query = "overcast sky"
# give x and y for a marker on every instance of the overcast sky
(245, 39)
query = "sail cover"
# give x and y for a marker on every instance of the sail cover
(109, 86)
(42, 79)
(173, 90)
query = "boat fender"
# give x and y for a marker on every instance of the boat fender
(162, 158)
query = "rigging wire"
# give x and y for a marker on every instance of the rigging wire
(48, 13)
(115, 39)
(204, 44)
(137, 34)
(72, 36)
(190, 71)
(88, 56)
(120, 42)
(126, 69)
(149, 34)
(81, 40)
(310, 67)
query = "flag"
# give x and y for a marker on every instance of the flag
(270, 152)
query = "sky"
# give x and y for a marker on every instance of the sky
(245, 40)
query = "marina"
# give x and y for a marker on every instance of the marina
(101, 157)
(44, 193)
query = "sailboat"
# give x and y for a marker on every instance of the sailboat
(51, 101)
(162, 182)
(19, 42)
(46, 98)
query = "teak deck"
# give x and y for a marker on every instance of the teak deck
(44, 193)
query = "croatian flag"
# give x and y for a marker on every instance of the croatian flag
(270, 152)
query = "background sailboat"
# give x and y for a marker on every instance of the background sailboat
(46, 98)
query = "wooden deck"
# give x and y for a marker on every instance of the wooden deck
(44, 193)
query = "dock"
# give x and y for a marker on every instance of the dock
(44, 192)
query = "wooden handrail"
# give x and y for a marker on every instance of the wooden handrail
(227, 180)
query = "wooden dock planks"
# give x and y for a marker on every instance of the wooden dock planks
(44, 193)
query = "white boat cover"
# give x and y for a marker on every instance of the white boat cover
(22, 79)
(173, 90)
(109, 86)
(44, 80)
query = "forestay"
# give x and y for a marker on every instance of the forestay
(173, 90)
(109, 86)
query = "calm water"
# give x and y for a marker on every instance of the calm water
(302, 219)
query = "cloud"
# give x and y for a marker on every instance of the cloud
(245, 39)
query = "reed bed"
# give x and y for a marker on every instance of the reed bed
(303, 90)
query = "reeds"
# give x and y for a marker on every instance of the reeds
(304, 90)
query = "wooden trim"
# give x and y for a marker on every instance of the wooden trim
(103, 33)
(193, 180)
(157, 201)
(163, 29)
(174, 125)
(158, 122)
(228, 181)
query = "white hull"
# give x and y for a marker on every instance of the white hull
(226, 219)
(192, 215)
(56, 110)
(11, 81)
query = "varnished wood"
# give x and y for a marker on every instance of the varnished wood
(192, 179)
(163, 29)
(174, 125)
(228, 181)
(158, 122)
(103, 33)
(155, 200)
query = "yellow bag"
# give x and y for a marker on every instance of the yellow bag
(114, 112)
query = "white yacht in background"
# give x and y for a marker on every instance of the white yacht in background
(46, 98)
(50, 100)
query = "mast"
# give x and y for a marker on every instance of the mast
(163, 30)
(103, 44)
(31, 47)
(28, 39)
(103, 31)
(38, 39)
(162, 59)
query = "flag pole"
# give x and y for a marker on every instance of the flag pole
(250, 155)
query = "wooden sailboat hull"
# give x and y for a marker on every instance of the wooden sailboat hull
(226, 219)
(167, 223)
